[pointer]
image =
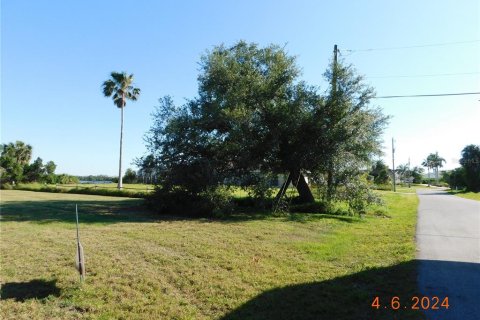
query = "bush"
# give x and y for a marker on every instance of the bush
(384, 187)
(244, 202)
(313, 207)
(359, 196)
(212, 202)
(6, 186)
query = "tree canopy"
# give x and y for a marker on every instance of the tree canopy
(254, 116)
(15, 165)
(470, 162)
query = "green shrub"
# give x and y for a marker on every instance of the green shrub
(212, 202)
(6, 186)
(359, 196)
(384, 187)
(313, 207)
(244, 202)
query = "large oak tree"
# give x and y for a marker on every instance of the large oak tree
(254, 114)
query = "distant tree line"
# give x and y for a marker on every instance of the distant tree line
(15, 166)
(98, 177)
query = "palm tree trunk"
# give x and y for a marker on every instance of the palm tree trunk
(428, 176)
(120, 184)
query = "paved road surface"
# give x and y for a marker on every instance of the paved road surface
(448, 248)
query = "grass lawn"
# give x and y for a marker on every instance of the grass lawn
(298, 266)
(467, 195)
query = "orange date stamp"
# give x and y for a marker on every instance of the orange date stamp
(415, 303)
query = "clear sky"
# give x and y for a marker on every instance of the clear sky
(56, 54)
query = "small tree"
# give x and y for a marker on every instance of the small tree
(455, 178)
(416, 173)
(130, 176)
(380, 173)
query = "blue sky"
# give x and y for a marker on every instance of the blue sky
(56, 54)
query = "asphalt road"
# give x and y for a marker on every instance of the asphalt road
(448, 250)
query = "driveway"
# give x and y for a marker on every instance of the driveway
(448, 250)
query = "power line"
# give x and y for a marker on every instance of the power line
(425, 75)
(428, 95)
(413, 46)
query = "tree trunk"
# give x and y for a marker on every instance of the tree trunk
(283, 188)
(329, 194)
(303, 189)
(120, 184)
(428, 176)
(298, 180)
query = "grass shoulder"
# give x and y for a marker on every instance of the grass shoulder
(466, 194)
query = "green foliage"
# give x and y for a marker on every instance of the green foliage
(359, 195)
(470, 162)
(253, 114)
(259, 188)
(312, 207)
(380, 173)
(6, 186)
(13, 160)
(15, 167)
(147, 172)
(417, 174)
(120, 88)
(434, 161)
(99, 177)
(35, 171)
(66, 179)
(178, 202)
(130, 176)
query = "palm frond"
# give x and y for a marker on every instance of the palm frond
(108, 88)
(120, 88)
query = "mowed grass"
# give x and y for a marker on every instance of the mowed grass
(298, 266)
(467, 195)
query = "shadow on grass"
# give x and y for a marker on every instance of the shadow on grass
(34, 289)
(351, 297)
(348, 297)
(434, 193)
(131, 210)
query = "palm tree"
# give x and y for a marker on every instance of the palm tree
(433, 161)
(120, 88)
(437, 162)
(428, 163)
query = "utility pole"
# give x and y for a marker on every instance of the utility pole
(393, 166)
